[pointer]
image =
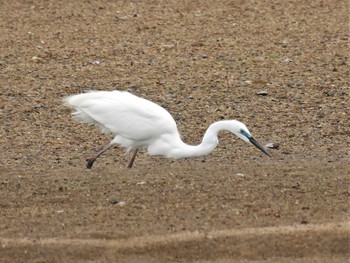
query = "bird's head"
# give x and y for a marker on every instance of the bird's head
(238, 128)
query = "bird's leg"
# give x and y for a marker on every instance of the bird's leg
(91, 161)
(133, 158)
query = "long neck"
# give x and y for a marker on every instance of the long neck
(178, 149)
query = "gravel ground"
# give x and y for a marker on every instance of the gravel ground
(281, 67)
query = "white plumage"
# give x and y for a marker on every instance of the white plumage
(140, 123)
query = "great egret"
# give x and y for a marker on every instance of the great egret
(140, 123)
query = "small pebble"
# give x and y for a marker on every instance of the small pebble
(36, 59)
(287, 60)
(202, 56)
(262, 93)
(38, 106)
(272, 145)
(113, 201)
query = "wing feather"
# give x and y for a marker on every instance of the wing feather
(122, 113)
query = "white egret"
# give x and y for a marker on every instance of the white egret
(140, 123)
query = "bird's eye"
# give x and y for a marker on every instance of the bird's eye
(241, 131)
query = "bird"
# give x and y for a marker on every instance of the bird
(139, 123)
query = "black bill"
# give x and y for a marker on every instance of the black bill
(257, 145)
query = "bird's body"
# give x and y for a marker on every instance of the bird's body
(140, 123)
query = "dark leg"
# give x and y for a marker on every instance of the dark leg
(133, 158)
(91, 161)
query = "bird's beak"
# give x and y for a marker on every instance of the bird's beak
(257, 145)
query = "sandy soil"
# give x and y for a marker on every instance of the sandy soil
(281, 67)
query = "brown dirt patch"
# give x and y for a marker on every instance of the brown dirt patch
(203, 61)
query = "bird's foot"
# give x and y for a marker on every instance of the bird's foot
(89, 163)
